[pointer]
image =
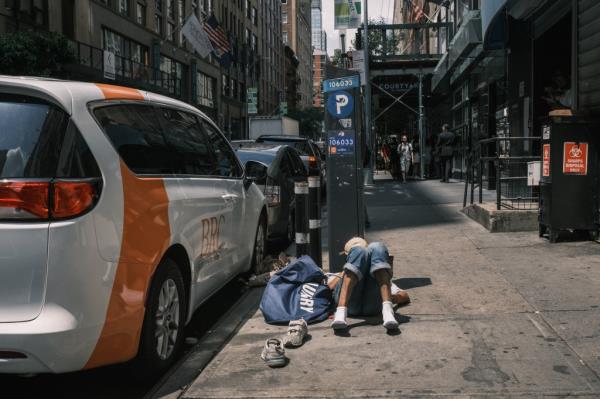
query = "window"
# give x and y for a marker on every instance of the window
(158, 4)
(124, 7)
(134, 131)
(28, 126)
(170, 9)
(131, 56)
(180, 17)
(158, 24)
(205, 90)
(224, 85)
(228, 165)
(284, 17)
(170, 30)
(253, 16)
(188, 143)
(285, 37)
(140, 14)
(174, 73)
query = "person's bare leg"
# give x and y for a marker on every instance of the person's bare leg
(339, 318)
(384, 280)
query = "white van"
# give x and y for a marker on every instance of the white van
(121, 211)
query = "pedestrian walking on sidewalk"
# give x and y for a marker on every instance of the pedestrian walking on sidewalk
(445, 149)
(395, 159)
(405, 152)
(416, 158)
(365, 288)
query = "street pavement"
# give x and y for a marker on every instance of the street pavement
(492, 315)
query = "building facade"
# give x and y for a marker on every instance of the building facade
(297, 34)
(319, 35)
(151, 53)
(319, 64)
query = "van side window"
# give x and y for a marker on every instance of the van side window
(136, 134)
(183, 134)
(228, 165)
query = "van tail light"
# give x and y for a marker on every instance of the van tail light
(24, 200)
(45, 200)
(272, 192)
(312, 162)
(72, 198)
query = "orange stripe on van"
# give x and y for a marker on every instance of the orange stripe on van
(112, 92)
(146, 237)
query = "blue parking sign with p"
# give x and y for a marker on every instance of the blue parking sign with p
(340, 104)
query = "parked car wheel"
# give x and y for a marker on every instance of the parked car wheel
(260, 244)
(162, 332)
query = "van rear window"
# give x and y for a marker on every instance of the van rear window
(30, 135)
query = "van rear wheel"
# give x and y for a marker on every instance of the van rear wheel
(162, 332)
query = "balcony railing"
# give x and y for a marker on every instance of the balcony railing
(127, 71)
(407, 42)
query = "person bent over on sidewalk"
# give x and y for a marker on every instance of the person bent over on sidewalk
(365, 288)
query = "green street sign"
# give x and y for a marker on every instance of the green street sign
(283, 109)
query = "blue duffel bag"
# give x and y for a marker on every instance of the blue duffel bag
(297, 292)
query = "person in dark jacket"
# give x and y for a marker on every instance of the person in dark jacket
(445, 149)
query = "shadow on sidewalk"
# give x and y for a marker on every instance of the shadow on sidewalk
(412, 282)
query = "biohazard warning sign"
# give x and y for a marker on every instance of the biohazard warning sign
(575, 158)
(546, 161)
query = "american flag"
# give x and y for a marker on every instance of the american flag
(219, 40)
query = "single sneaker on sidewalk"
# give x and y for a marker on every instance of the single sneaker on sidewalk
(339, 319)
(296, 333)
(273, 353)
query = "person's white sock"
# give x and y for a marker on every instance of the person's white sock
(389, 319)
(339, 318)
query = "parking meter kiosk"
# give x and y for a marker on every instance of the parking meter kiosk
(569, 176)
(345, 208)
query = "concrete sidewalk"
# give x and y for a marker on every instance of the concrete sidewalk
(504, 314)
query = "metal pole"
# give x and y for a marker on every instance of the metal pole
(421, 133)
(301, 222)
(314, 219)
(368, 132)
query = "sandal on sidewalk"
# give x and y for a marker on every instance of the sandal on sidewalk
(297, 330)
(273, 353)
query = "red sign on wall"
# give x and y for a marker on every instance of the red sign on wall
(575, 158)
(546, 161)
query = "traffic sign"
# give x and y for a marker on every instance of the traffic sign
(348, 82)
(340, 104)
(252, 100)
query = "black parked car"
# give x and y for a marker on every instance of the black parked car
(311, 155)
(274, 169)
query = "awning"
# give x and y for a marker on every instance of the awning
(494, 18)
(493, 24)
